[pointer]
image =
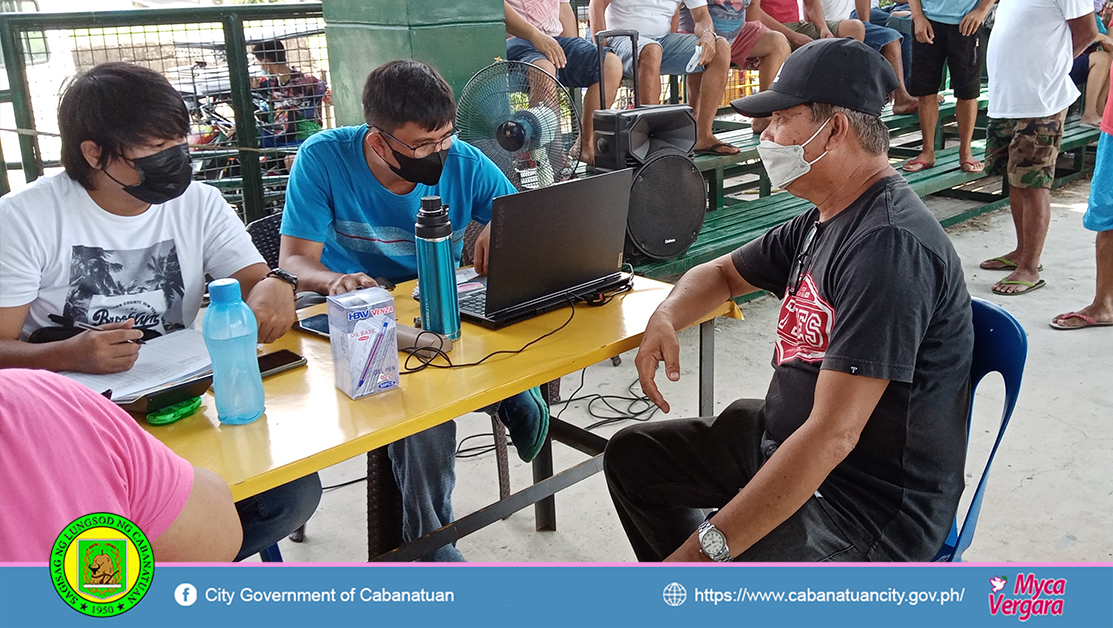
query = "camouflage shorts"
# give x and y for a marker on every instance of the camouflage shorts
(1025, 149)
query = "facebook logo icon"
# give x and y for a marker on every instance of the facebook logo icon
(185, 594)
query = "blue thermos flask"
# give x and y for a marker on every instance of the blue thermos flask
(230, 334)
(436, 269)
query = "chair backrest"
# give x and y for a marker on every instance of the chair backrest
(1000, 345)
(264, 233)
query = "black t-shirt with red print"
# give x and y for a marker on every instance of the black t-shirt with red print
(878, 292)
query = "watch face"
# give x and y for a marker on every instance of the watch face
(713, 542)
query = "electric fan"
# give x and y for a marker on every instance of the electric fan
(521, 118)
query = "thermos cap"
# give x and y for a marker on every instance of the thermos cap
(224, 290)
(432, 219)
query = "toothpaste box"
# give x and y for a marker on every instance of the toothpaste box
(364, 341)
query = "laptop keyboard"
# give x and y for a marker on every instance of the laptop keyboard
(475, 303)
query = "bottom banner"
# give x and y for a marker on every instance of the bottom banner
(302, 595)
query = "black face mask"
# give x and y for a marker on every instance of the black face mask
(163, 176)
(426, 170)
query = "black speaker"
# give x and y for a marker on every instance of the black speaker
(668, 196)
(626, 138)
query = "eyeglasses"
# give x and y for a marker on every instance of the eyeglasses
(426, 149)
(800, 266)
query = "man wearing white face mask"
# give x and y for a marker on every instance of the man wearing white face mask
(857, 451)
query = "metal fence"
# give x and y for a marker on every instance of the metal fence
(255, 80)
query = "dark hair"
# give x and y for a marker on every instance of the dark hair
(272, 51)
(407, 91)
(873, 135)
(118, 106)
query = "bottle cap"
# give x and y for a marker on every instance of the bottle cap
(224, 290)
(432, 219)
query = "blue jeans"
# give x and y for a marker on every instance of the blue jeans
(880, 17)
(582, 59)
(425, 469)
(271, 515)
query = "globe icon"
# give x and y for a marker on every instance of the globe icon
(675, 594)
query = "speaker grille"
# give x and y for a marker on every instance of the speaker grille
(668, 200)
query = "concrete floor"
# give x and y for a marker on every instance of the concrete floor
(1050, 496)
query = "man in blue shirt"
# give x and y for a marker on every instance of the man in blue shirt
(351, 204)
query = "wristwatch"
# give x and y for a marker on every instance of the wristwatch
(286, 276)
(712, 542)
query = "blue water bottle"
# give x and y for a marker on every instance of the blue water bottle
(436, 269)
(230, 334)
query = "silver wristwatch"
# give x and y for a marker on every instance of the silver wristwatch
(712, 542)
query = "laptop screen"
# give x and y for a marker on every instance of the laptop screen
(548, 240)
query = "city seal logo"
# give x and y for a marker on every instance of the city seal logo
(101, 565)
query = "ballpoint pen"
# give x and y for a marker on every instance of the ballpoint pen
(80, 325)
(371, 356)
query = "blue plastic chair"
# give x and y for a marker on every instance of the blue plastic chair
(1000, 345)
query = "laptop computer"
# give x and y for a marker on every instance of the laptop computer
(551, 245)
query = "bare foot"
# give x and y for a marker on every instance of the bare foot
(926, 159)
(904, 104)
(1094, 121)
(715, 147)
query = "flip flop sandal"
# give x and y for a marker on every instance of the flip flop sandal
(912, 164)
(714, 150)
(975, 167)
(1006, 264)
(1090, 322)
(1017, 282)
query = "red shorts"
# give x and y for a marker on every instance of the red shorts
(744, 44)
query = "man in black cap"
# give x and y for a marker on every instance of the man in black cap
(857, 451)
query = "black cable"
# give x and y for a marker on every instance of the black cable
(428, 361)
(343, 484)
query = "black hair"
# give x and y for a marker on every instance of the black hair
(272, 51)
(118, 106)
(407, 91)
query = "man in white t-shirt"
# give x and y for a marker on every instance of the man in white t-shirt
(122, 239)
(1029, 61)
(661, 51)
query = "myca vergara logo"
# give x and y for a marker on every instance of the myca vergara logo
(101, 565)
(1030, 596)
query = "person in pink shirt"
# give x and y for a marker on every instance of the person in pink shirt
(784, 17)
(545, 33)
(1099, 218)
(66, 452)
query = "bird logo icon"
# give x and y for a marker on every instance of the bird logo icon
(998, 583)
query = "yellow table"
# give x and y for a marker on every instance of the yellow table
(310, 425)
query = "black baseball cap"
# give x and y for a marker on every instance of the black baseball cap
(843, 72)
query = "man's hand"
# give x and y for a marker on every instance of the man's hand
(824, 32)
(482, 251)
(549, 47)
(689, 552)
(707, 43)
(347, 283)
(972, 21)
(106, 351)
(798, 39)
(925, 34)
(659, 344)
(272, 301)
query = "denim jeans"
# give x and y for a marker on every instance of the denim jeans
(880, 17)
(425, 469)
(271, 515)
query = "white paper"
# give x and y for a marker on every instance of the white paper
(693, 63)
(168, 359)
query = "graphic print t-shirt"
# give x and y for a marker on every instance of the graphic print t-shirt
(65, 255)
(882, 295)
